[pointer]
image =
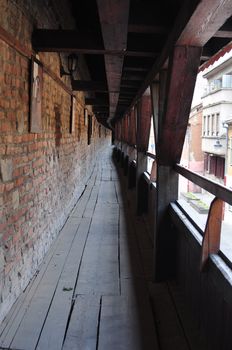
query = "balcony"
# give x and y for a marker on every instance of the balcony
(215, 145)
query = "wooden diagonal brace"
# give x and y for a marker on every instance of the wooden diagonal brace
(212, 235)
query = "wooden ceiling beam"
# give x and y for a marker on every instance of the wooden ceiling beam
(96, 102)
(56, 40)
(205, 21)
(130, 83)
(134, 76)
(89, 85)
(147, 29)
(114, 17)
(135, 69)
(196, 23)
(223, 34)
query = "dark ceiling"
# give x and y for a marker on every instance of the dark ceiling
(122, 42)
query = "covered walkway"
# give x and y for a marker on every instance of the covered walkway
(94, 290)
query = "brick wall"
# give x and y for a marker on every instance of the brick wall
(41, 175)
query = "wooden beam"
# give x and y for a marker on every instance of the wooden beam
(133, 127)
(129, 83)
(183, 70)
(223, 34)
(212, 234)
(88, 85)
(143, 123)
(96, 102)
(114, 22)
(205, 22)
(155, 109)
(134, 76)
(134, 69)
(100, 109)
(218, 190)
(147, 29)
(128, 90)
(191, 15)
(56, 40)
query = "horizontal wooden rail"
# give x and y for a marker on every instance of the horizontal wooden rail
(213, 187)
(151, 155)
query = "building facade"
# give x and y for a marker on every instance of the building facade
(217, 108)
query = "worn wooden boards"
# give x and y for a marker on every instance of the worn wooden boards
(92, 290)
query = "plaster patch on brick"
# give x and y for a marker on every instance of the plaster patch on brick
(20, 122)
(6, 167)
(15, 199)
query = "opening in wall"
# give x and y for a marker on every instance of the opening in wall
(89, 129)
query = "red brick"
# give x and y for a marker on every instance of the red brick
(19, 181)
(9, 186)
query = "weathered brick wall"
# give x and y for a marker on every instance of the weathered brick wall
(41, 175)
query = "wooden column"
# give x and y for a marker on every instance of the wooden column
(133, 127)
(155, 108)
(143, 117)
(175, 97)
(130, 130)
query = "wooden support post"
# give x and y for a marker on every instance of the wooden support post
(155, 108)
(164, 241)
(133, 127)
(130, 129)
(143, 131)
(183, 69)
(212, 234)
(175, 97)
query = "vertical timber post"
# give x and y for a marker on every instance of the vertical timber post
(143, 132)
(175, 97)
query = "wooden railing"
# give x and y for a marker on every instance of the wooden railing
(151, 155)
(211, 186)
(212, 232)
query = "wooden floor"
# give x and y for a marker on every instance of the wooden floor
(93, 290)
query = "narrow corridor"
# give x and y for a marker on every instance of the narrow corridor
(93, 290)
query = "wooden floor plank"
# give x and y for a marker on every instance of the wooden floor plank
(83, 326)
(53, 331)
(30, 327)
(126, 323)
(169, 329)
(99, 272)
(23, 304)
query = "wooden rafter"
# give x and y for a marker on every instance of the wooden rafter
(206, 20)
(96, 102)
(89, 85)
(56, 40)
(147, 29)
(114, 22)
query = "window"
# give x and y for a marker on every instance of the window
(204, 125)
(212, 124)
(230, 150)
(208, 125)
(215, 85)
(217, 124)
(206, 162)
(227, 81)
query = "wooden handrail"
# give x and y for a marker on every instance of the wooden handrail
(151, 155)
(211, 186)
